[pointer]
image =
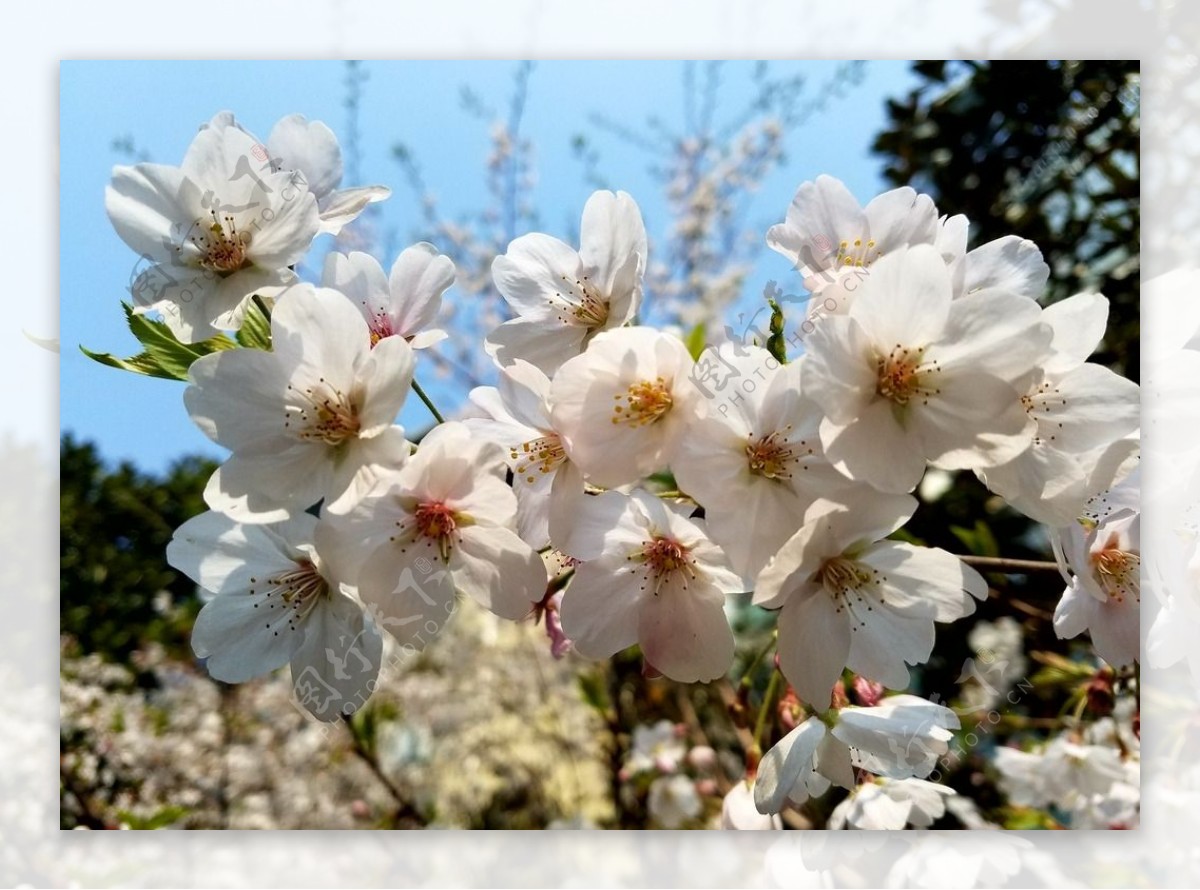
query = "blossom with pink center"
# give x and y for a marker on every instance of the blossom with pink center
(756, 465)
(216, 230)
(651, 576)
(850, 598)
(444, 523)
(911, 376)
(402, 304)
(1102, 565)
(277, 601)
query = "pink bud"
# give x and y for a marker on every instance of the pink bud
(867, 693)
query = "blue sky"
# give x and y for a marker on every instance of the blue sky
(160, 105)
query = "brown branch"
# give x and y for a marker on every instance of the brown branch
(405, 815)
(1009, 566)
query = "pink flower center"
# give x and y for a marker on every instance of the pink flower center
(852, 586)
(663, 559)
(289, 596)
(773, 456)
(581, 304)
(438, 524)
(1118, 572)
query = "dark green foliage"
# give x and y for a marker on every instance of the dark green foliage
(1047, 150)
(114, 530)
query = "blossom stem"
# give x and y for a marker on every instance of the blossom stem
(768, 703)
(1010, 566)
(747, 677)
(428, 404)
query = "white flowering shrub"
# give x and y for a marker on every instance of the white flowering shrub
(697, 502)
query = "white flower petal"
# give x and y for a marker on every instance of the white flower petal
(334, 669)
(499, 571)
(783, 767)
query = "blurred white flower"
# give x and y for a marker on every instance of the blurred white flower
(658, 746)
(738, 812)
(1059, 772)
(673, 801)
(891, 804)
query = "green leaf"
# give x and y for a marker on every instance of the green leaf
(695, 341)
(978, 540)
(255, 332)
(160, 819)
(592, 688)
(164, 355)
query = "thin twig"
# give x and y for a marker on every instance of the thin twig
(1010, 566)
(428, 403)
(404, 809)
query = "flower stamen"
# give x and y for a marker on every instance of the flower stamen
(222, 247)
(544, 454)
(645, 402)
(902, 376)
(325, 414)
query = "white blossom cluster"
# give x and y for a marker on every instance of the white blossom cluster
(668, 476)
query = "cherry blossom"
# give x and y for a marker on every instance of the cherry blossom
(902, 737)
(547, 483)
(311, 420)
(563, 297)
(651, 576)
(275, 602)
(444, 523)
(890, 804)
(402, 304)
(1080, 408)
(1103, 595)
(623, 406)
(911, 376)
(219, 228)
(757, 464)
(847, 598)
(828, 235)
